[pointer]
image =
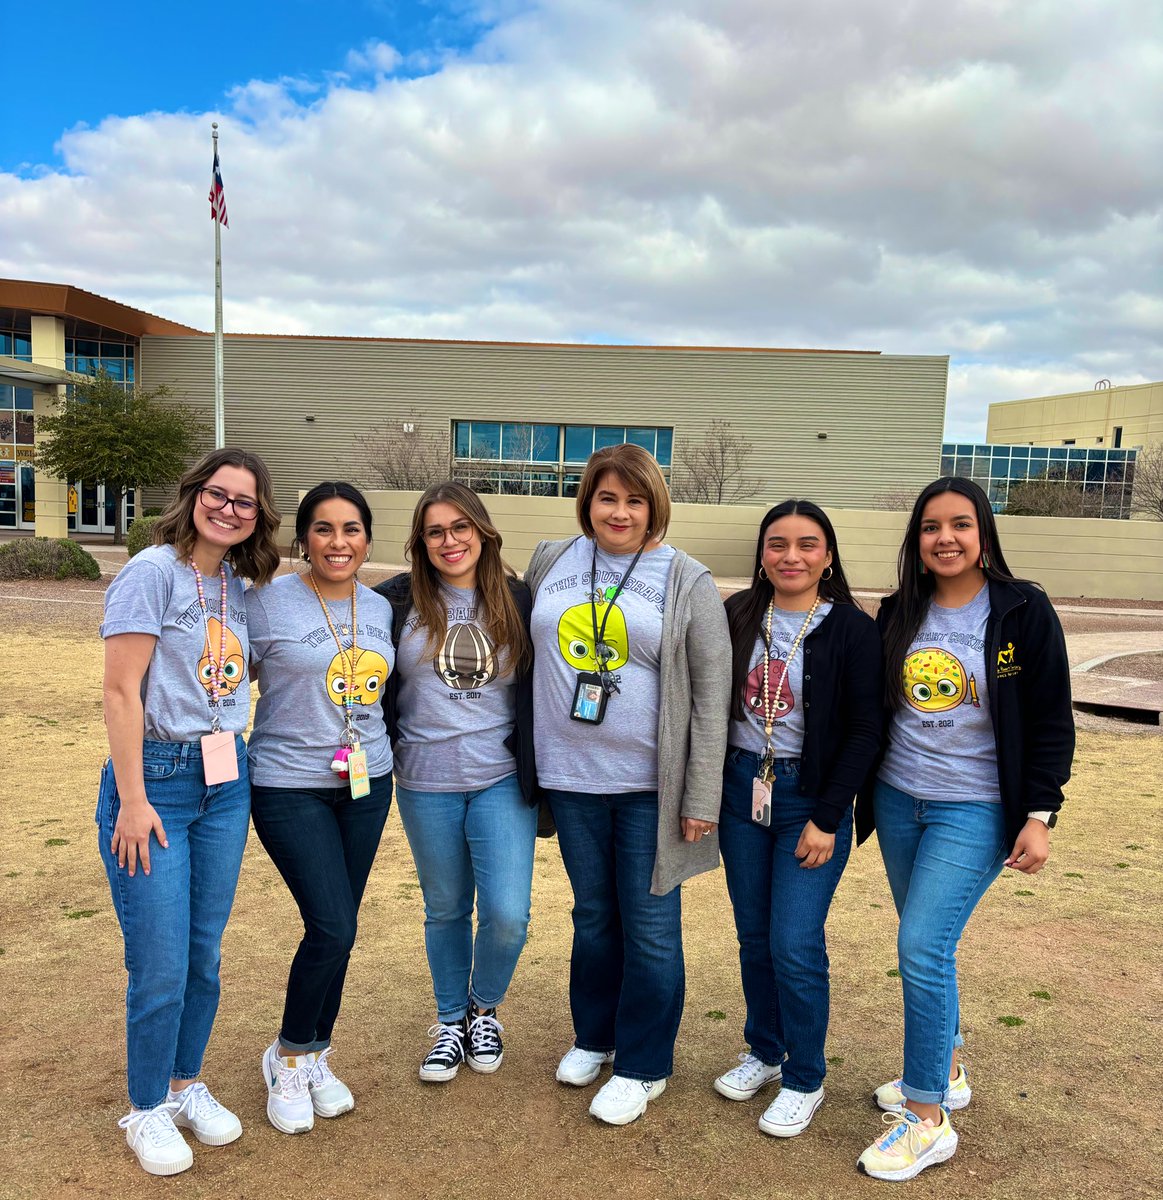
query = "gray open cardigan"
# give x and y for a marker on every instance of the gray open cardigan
(694, 696)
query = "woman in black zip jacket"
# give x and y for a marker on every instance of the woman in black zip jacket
(805, 731)
(980, 740)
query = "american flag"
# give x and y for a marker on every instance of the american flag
(218, 195)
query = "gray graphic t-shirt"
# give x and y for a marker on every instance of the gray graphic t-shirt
(298, 722)
(621, 754)
(941, 744)
(787, 730)
(155, 593)
(455, 709)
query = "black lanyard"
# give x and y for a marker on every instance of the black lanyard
(599, 634)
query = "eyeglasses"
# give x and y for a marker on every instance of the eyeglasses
(216, 500)
(461, 531)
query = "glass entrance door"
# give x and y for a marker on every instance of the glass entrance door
(95, 509)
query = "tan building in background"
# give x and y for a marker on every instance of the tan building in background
(1115, 418)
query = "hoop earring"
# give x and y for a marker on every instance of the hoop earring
(826, 573)
(762, 574)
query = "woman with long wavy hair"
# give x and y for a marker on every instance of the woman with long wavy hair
(463, 735)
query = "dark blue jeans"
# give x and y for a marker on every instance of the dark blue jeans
(780, 910)
(627, 979)
(323, 843)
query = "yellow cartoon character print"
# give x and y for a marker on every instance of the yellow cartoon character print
(235, 669)
(371, 670)
(575, 634)
(934, 681)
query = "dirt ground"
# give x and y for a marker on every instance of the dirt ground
(1062, 980)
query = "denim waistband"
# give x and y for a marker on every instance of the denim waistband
(180, 750)
(785, 765)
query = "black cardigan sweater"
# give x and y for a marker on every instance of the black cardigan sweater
(842, 694)
(398, 592)
(1028, 681)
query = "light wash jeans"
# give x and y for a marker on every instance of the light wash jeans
(468, 844)
(172, 919)
(940, 857)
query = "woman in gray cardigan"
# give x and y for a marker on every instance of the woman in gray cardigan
(631, 684)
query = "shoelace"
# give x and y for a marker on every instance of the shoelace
(293, 1080)
(621, 1088)
(197, 1102)
(320, 1073)
(449, 1042)
(749, 1068)
(902, 1128)
(788, 1104)
(484, 1034)
(155, 1125)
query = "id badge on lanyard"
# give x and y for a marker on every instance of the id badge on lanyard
(589, 699)
(219, 757)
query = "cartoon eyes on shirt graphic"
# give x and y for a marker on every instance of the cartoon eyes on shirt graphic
(371, 670)
(935, 681)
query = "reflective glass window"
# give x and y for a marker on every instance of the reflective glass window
(23, 398)
(642, 437)
(665, 440)
(1057, 452)
(90, 349)
(21, 346)
(545, 440)
(984, 451)
(609, 435)
(462, 435)
(1095, 472)
(1019, 469)
(999, 468)
(24, 435)
(1040, 453)
(579, 442)
(486, 439)
(963, 449)
(948, 465)
(1019, 452)
(6, 344)
(516, 442)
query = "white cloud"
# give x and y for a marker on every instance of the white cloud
(850, 174)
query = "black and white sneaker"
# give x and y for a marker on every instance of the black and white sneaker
(447, 1053)
(485, 1049)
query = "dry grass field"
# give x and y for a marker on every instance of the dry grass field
(1061, 979)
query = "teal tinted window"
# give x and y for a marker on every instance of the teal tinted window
(462, 436)
(609, 435)
(948, 464)
(486, 439)
(579, 442)
(21, 346)
(545, 440)
(665, 438)
(23, 398)
(645, 438)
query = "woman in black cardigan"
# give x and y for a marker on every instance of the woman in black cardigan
(805, 730)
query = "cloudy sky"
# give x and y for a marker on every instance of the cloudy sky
(977, 178)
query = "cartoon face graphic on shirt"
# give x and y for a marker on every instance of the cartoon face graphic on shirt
(753, 690)
(934, 680)
(235, 670)
(371, 669)
(467, 659)
(575, 634)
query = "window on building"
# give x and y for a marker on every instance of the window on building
(1117, 437)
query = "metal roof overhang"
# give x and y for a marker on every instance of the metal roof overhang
(16, 372)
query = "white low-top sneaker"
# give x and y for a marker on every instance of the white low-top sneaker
(153, 1137)
(791, 1112)
(289, 1107)
(743, 1081)
(581, 1067)
(620, 1100)
(330, 1096)
(890, 1097)
(210, 1122)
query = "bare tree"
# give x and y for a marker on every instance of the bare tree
(404, 456)
(712, 470)
(1147, 497)
(897, 499)
(1072, 496)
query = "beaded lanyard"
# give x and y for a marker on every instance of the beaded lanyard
(347, 658)
(771, 708)
(217, 667)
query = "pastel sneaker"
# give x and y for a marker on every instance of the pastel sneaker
(155, 1139)
(442, 1062)
(330, 1096)
(791, 1112)
(743, 1081)
(289, 1107)
(620, 1100)
(890, 1097)
(908, 1147)
(581, 1067)
(485, 1049)
(210, 1122)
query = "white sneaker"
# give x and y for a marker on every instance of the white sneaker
(620, 1100)
(582, 1067)
(791, 1112)
(743, 1081)
(154, 1138)
(890, 1097)
(210, 1122)
(289, 1107)
(330, 1096)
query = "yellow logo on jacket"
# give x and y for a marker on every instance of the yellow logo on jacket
(1006, 667)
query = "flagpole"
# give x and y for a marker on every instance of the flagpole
(219, 381)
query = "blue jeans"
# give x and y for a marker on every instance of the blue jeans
(780, 910)
(940, 857)
(323, 843)
(627, 979)
(172, 919)
(470, 845)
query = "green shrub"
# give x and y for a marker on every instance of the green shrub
(46, 558)
(140, 535)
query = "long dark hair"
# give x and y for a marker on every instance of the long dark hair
(746, 610)
(915, 587)
(329, 489)
(257, 558)
(501, 617)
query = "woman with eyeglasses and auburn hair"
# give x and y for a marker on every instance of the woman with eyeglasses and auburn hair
(174, 802)
(321, 770)
(980, 742)
(465, 784)
(631, 685)
(805, 731)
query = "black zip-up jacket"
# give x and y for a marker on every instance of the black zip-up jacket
(1028, 681)
(398, 592)
(842, 697)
